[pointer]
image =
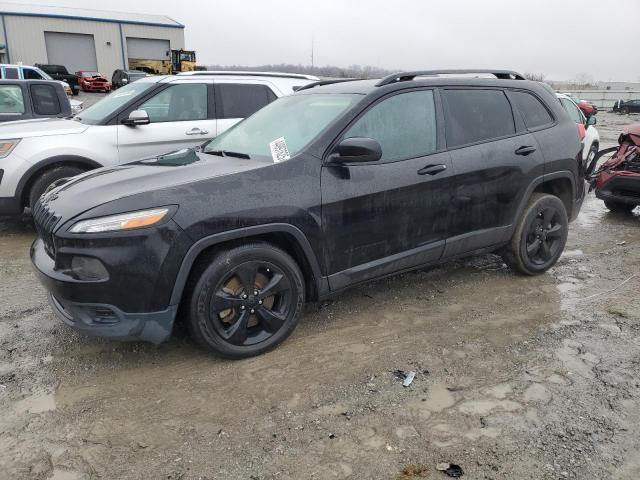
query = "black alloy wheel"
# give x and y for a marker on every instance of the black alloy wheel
(539, 237)
(246, 300)
(544, 237)
(250, 304)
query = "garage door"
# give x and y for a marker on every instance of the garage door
(148, 48)
(76, 51)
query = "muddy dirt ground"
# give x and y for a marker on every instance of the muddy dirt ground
(517, 378)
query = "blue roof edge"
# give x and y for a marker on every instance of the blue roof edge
(93, 19)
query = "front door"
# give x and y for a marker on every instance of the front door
(180, 117)
(384, 216)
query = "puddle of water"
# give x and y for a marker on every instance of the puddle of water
(38, 403)
(483, 407)
(65, 475)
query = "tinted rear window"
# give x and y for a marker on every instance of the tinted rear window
(241, 100)
(533, 112)
(477, 115)
(45, 100)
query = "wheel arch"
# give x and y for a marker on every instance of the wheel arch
(559, 184)
(30, 176)
(285, 236)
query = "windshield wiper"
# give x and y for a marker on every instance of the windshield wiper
(227, 153)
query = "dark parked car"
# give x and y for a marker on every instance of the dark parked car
(628, 106)
(320, 190)
(121, 78)
(60, 72)
(25, 99)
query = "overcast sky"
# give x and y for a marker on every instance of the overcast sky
(561, 38)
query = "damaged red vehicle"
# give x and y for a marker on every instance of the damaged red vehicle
(617, 181)
(92, 81)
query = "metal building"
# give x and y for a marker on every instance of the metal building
(82, 39)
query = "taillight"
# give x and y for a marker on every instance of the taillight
(581, 131)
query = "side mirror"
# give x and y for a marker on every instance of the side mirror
(137, 117)
(358, 149)
(591, 120)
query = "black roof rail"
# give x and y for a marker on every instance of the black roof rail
(407, 76)
(319, 83)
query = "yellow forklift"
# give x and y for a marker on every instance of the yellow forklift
(181, 61)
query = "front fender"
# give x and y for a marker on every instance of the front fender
(246, 233)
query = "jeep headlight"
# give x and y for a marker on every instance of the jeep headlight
(7, 146)
(124, 221)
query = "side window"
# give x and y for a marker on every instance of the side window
(45, 100)
(178, 103)
(31, 74)
(572, 110)
(237, 100)
(11, 99)
(404, 125)
(476, 115)
(11, 73)
(533, 112)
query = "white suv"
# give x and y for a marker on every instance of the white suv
(149, 117)
(591, 140)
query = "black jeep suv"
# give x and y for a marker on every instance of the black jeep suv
(337, 184)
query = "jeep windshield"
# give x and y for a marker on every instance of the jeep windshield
(297, 119)
(101, 111)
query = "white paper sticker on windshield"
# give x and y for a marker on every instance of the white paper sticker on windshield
(279, 150)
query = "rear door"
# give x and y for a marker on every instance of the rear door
(493, 156)
(236, 100)
(181, 116)
(380, 217)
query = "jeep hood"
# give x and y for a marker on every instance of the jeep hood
(154, 176)
(41, 127)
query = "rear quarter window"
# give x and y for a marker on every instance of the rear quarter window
(533, 112)
(236, 100)
(45, 100)
(476, 115)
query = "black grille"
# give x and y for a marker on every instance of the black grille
(45, 221)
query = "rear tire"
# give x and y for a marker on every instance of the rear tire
(245, 301)
(619, 207)
(47, 178)
(540, 236)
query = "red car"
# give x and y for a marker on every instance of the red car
(92, 81)
(617, 181)
(587, 108)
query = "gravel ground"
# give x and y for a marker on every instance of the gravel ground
(517, 378)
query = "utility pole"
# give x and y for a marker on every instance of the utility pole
(312, 39)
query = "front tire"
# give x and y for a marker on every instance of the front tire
(619, 207)
(47, 178)
(540, 236)
(246, 300)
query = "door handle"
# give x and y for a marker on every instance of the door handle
(525, 150)
(196, 131)
(432, 169)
